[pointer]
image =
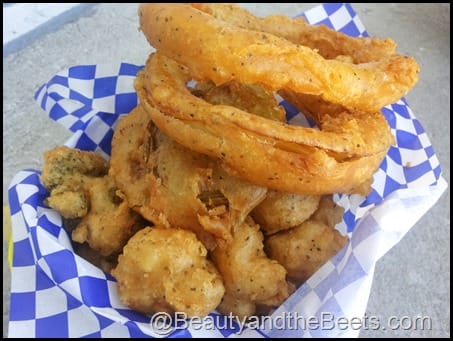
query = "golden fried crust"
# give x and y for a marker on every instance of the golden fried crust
(64, 166)
(163, 85)
(251, 98)
(264, 152)
(250, 277)
(130, 161)
(328, 212)
(282, 210)
(371, 128)
(157, 183)
(173, 186)
(80, 188)
(317, 69)
(329, 43)
(302, 250)
(109, 222)
(166, 270)
(228, 52)
(70, 204)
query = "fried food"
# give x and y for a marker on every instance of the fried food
(328, 43)
(328, 212)
(64, 173)
(303, 249)
(80, 188)
(139, 155)
(228, 52)
(208, 150)
(251, 98)
(342, 83)
(264, 152)
(372, 127)
(71, 204)
(251, 279)
(166, 270)
(281, 210)
(173, 186)
(110, 222)
(66, 167)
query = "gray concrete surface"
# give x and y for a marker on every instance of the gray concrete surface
(412, 280)
(24, 34)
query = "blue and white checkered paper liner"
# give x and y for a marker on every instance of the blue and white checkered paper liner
(55, 293)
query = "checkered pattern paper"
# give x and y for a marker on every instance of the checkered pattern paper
(55, 293)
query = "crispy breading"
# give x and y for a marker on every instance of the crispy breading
(166, 270)
(64, 166)
(281, 210)
(304, 249)
(328, 212)
(109, 222)
(171, 185)
(228, 52)
(262, 151)
(80, 188)
(250, 277)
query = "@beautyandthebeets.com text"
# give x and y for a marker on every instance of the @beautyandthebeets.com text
(164, 324)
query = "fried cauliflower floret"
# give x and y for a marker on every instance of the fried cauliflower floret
(81, 189)
(302, 250)
(70, 204)
(250, 277)
(282, 210)
(109, 222)
(165, 269)
(328, 212)
(65, 173)
(67, 167)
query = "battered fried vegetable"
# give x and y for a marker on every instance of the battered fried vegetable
(328, 212)
(262, 151)
(172, 186)
(251, 98)
(228, 52)
(372, 127)
(303, 249)
(64, 174)
(70, 204)
(110, 222)
(250, 277)
(64, 166)
(282, 210)
(80, 188)
(328, 43)
(231, 48)
(166, 270)
(196, 161)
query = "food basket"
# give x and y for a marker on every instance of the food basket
(55, 293)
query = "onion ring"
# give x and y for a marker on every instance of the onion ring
(189, 36)
(241, 140)
(329, 43)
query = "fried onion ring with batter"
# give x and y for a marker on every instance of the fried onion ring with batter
(329, 43)
(265, 152)
(217, 50)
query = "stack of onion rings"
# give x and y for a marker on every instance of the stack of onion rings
(343, 95)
